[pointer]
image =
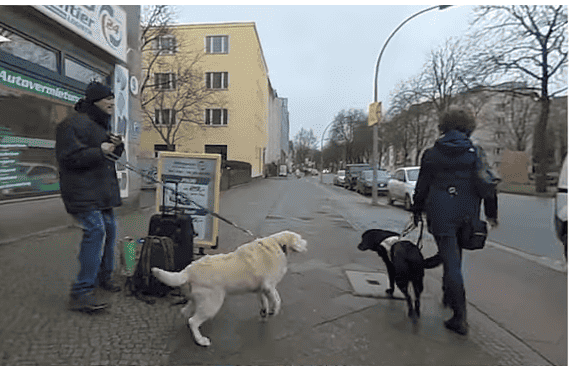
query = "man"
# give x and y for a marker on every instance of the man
(90, 190)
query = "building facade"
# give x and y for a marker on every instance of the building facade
(239, 115)
(48, 55)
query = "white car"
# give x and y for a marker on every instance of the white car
(561, 207)
(402, 186)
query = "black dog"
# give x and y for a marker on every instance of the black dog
(404, 263)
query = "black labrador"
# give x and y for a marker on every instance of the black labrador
(404, 263)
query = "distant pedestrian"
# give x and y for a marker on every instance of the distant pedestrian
(446, 191)
(90, 190)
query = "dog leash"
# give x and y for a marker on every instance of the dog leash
(410, 227)
(185, 200)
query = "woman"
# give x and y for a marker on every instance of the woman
(445, 190)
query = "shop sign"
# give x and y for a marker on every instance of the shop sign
(15, 80)
(102, 25)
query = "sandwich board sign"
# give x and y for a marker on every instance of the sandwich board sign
(198, 177)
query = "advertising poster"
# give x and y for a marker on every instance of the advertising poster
(198, 177)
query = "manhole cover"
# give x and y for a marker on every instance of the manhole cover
(371, 284)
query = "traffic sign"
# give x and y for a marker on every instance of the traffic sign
(374, 115)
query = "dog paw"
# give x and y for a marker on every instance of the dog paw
(203, 341)
(264, 313)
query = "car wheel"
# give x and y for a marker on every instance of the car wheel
(407, 203)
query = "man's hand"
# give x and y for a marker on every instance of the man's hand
(107, 147)
(492, 222)
(115, 139)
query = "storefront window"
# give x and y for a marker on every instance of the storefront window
(28, 50)
(82, 73)
(28, 166)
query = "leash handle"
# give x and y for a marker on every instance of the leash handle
(115, 158)
(410, 227)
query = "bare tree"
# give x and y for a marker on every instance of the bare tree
(412, 119)
(529, 43)
(346, 130)
(304, 143)
(174, 91)
(519, 121)
(442, 75)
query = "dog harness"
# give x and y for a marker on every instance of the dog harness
(388, 243)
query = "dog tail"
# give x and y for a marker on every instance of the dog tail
(433, 261)
(173, 279)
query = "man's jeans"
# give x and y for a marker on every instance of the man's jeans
(96, 255)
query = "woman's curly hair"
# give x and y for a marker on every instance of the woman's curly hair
(457, 119)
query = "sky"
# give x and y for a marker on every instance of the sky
(323, 57)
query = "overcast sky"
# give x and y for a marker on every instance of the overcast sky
(322, 57)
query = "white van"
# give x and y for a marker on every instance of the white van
(561, 207)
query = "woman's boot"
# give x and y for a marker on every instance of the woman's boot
(458, 322)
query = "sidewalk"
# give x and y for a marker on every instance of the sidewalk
(320, 317)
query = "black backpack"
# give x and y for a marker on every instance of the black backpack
(157, 251)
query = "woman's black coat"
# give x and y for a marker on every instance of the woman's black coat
(445, 188)
(88, 180)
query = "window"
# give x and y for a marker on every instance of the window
(82, 73)
(164, 117)
(216, 117)
(217, 149)
(216, 80)
(166, 44)
(498, 151)
(216, 44)
(165, 81)
(500, 120)
(28, 50)
(499, 135)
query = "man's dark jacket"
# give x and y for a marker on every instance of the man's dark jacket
(445, 188)
(88, 180)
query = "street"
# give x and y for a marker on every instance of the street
(517, 306)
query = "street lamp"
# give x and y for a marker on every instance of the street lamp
(375, 129)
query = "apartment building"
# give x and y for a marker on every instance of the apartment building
(237, 115)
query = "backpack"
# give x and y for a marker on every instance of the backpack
(485, 181)
(157, 251)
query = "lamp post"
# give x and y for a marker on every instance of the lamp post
(375, 129)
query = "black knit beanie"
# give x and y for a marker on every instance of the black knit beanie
(96, 91)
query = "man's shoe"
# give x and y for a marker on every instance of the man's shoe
(86, 303)
(109, 285)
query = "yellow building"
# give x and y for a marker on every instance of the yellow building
(233, 120)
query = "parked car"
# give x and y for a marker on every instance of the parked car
(402, 186)
(561, 207)
(365, 179)
(43, 178)
(352, 173)
(340, 178)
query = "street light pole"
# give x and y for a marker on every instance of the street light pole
(375, 95)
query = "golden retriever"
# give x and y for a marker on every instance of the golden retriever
(257, 266)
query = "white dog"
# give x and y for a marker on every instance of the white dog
(253, 267)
